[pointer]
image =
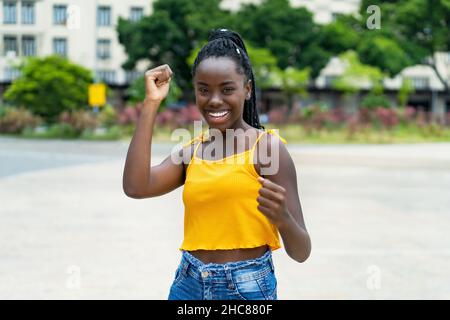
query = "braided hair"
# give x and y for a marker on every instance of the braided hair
(227, 43)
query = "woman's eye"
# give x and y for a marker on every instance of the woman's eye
(228, 90)
(202, 90)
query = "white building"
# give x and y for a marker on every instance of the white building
(85, 30)
(82, 30)
(429, 89)
(324, 10)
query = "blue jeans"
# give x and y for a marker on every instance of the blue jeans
(243, 280)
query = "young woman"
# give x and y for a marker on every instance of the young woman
(236, 205)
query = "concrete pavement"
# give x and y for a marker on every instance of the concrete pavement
(378, 217)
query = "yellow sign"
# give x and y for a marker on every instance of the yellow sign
(97, 94)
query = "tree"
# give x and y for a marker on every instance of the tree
(416, 28)
(405, 90)
(262, 60)
(339, 35)
(289, 33)
(49, 86)
(170, 33)
(291, 81)
(357, 74)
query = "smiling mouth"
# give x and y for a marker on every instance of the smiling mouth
(218, 114)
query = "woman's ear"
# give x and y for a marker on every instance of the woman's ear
(248, 89)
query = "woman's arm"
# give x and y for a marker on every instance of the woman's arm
(278, 199)
(140, 180)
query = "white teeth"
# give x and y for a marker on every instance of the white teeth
(218, 114)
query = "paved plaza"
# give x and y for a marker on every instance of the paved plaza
(378, 216)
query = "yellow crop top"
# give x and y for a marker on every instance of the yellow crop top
(220, 203)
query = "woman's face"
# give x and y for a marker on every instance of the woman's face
(220, 93)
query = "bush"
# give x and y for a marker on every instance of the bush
(47, 86)
(128, 115)
(278, 115)
(179, 117)
(373, 101)
(78, 120)
(107, 116)
(387, 117)
(16, 120)
(61, 130)
(111, 133)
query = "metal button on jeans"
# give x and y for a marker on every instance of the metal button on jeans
(205, 274)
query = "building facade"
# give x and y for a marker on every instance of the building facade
(429, 91)
(324, 11)
(82, 30)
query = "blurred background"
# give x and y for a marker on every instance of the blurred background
(360, 90)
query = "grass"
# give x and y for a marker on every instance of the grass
(399, 134)
(298, 134)
(293, 133)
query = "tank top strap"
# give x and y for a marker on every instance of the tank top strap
(267, 131)
(256, 141)
(201, 137)
(200, 141)
(274, 132)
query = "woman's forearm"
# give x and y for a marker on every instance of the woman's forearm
(136, 175)
(296, 240)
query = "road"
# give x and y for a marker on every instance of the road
(378, 217)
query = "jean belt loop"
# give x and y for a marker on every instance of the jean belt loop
(229, 278)
(185, 267)
(271, 264)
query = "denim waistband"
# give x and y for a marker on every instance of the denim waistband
(222, 272)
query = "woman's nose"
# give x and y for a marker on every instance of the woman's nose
(215, 99)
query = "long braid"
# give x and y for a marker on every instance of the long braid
(227, 43)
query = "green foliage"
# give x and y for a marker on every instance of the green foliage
(291, 80)
(338, 36)
(411, 31)
(263, 62)
(79, 120)
(289, 33)
(405, 90)
(62, 130)
(48, 86)
(356, 74)
(383, 52)
(372, 101)
(170, 34)
(136, 92)
(107, 116)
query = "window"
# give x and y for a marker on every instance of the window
(420, 82)
(103, 49)
(329, 81)
(59, 14)
(136, 13)
(104, 16)
(27, 12)
(107, 75)
(133, 75)
(334, 16)
(60, 46)
(9, 12)
(11, 74)
(28, 46)
(10, 45)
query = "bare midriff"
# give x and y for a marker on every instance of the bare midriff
(224, 256)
